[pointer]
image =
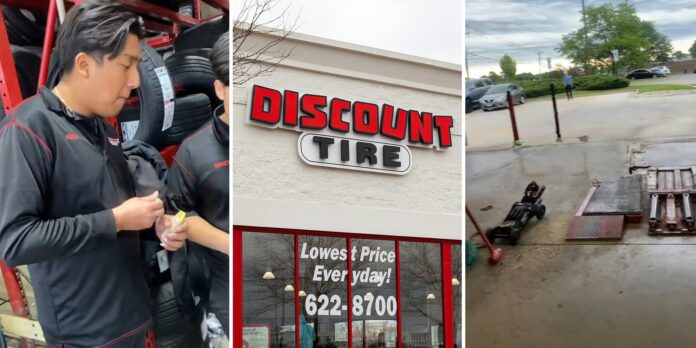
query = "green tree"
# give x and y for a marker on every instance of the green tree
(525, 76)
(618, 27)
(509, 67)
(494, 77)
(679, 55)
(692, 49)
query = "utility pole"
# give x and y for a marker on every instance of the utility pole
(466, 56)
(584, 29)
(466, 63)
(539, 54)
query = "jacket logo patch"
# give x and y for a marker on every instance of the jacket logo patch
(222, 164)
(71, 136)
(113, 141)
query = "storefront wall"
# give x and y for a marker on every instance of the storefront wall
(273, 187)
(281, 204)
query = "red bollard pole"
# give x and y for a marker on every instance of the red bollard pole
(512, 119)
(555, 113)
(496, 254)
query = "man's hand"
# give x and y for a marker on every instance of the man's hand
(138, 213)
(171, 240)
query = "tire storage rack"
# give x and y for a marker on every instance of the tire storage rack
(21, 25)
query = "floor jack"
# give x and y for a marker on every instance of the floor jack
(520, 214)
(496, 254)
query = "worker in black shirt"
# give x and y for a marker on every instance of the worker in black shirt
(69, 209)
(199, 184)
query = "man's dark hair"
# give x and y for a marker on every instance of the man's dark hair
(220, 58)
(96, 27)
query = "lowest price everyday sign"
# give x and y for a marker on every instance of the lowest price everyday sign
(363, 305)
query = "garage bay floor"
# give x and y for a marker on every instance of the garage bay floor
(637, 292)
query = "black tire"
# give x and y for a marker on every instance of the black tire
(27, 63)
(190, 113)
(490, 236)
(541, 212)
(203, 35)
(24, 28)
(169, 4)
(150, 93)
(171, 327)
(199, 52)
(515, 234)
(192, 74)
(469, 106)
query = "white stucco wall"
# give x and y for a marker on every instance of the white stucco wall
(273, 187)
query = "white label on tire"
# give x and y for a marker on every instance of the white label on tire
(168, 114)
(167, 96)
(128, 129)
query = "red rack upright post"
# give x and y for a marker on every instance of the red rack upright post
(48, 42)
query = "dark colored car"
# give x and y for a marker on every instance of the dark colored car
(641, 74)
(475, 89)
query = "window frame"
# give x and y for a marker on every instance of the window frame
(445, 268)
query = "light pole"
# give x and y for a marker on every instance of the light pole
(428, 335)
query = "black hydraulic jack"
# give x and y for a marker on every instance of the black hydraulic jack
(520, 214)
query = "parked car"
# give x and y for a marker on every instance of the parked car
(475, 89)
(641, 74)
(496, 97)
(662, 71)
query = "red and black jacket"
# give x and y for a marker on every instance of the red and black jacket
(198, 184)
(60, 176)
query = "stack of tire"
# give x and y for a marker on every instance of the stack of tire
(25, 30)
(192, 78)
(191, 75)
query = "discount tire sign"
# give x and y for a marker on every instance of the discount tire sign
(355, 135)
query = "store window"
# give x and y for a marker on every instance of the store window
(374, 293)
(421, 295)
(457, 293)
(323, 291)
(387, 277)
(269, 290)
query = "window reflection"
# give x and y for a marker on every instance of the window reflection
(323, 290)
(374, 293)
(421, 295)
(457, 293)
(268, 290)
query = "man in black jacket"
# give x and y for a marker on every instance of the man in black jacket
(68, 206)
(199, 184)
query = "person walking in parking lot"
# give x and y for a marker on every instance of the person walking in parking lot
(568, 82)
(199, 185)
(69, 209)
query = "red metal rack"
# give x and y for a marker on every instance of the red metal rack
(11, 97)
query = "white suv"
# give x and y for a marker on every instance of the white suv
(662, 70)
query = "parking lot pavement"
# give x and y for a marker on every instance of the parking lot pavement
(619, 116)
(547, 292)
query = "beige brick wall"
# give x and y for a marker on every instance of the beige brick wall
(274, 187)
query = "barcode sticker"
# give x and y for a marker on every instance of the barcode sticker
(162, 260)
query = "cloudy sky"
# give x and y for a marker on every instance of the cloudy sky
(522, 28)
(425, 28)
